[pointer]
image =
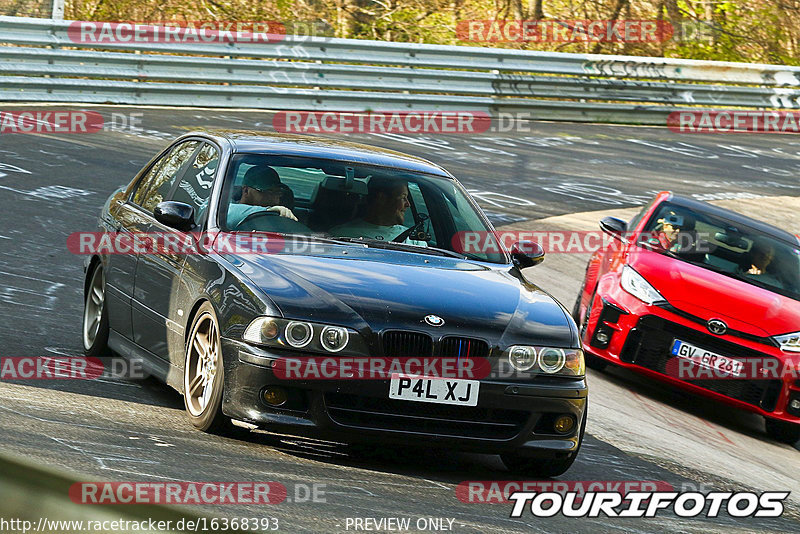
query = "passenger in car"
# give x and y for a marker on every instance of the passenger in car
(761, 255)
(261, 190)
(387, 202)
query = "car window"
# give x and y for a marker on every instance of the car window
(156, 185)
(634, 222)
(417, 201)
(729, 248)
(344, 200)
(194, 187)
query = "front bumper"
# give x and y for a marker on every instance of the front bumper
(510, 416)
(640, 339)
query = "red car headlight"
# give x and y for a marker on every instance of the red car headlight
(635, 284)
(789, 342)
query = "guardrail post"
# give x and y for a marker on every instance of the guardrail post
(58, 10)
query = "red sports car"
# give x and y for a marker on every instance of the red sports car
(702, 298)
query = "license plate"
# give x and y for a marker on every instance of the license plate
(431, 389)
(706, 358)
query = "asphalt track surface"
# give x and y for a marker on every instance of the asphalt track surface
(121, 430)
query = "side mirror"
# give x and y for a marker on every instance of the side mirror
(526, 254)
(614, 227)
(175, 215)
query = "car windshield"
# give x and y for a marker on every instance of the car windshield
(377, 206)
(729, 248)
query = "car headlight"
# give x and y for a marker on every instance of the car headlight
(311, 337)
(552, 360)
(789, 342)
(522, 358)
(635, 284)
(547, 360)
(299, 334)
(333, 338)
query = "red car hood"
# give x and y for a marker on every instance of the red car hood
(710, 295)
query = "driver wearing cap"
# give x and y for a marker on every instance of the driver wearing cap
(262, 190)
(670, 228)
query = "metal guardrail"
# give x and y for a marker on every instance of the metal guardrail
(40, 62)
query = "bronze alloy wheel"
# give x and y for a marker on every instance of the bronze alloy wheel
(203, 372)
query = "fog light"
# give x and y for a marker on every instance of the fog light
(274, 396)
(564, 424)
(795, 404)
(602, 337)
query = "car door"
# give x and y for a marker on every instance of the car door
(157, 273)
(195, 188)
(126, 217)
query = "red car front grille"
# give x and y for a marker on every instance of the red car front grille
(649, 345)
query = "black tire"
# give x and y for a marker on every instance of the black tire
(576, 310)
(205, 411)
(544, 467)
(95, 314)
(592, 361)
(782, 431)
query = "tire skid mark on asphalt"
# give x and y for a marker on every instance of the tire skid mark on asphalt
(150, 436)
(99, 457)
(69, 423)
(656, 411)
(43, 290)
(722, 435)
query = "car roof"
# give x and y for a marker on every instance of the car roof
(251, 142)
(734, 217)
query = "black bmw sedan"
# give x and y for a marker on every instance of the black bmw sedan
(360, 265)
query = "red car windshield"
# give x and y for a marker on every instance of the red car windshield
(728, 248)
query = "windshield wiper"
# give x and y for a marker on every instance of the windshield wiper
(393, 245)
(454, 254)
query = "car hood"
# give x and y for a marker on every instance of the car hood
(711, 295)
(375, 290)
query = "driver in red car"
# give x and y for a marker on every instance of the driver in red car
(261, 188)
(387, 202)
(674, 232)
